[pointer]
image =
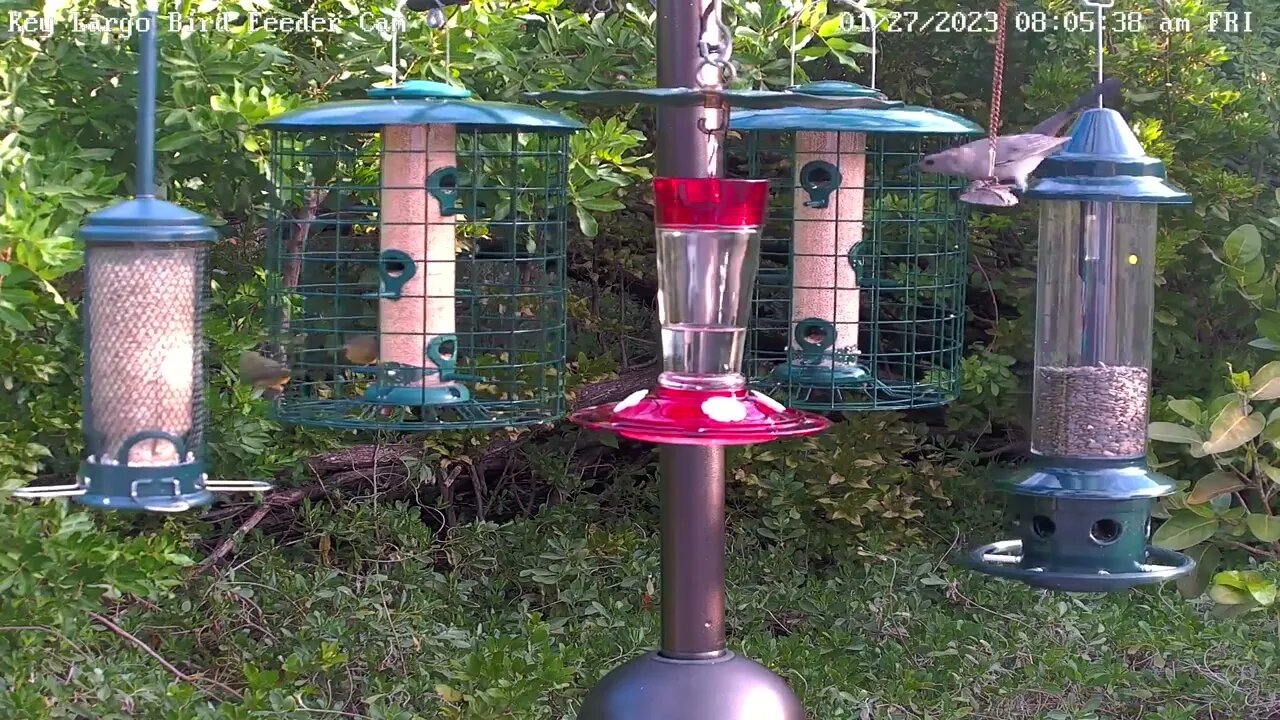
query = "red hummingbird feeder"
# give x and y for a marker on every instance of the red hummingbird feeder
(708, 236)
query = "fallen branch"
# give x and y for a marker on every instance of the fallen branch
(363, 464)
(192, 679)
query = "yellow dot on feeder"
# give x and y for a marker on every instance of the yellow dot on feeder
(1133, 259)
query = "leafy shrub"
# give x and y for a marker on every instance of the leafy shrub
(872, 473)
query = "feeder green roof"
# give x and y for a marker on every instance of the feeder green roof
(146, 220)
(688, 97)
(898, 119)
(422, 103)
(1104, 162)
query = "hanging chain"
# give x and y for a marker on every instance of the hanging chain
(997, 86)
(719, 54)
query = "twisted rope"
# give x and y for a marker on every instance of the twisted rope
(997, 85)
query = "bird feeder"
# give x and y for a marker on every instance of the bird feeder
(1082, 509)
(860, 300)
(146, 274)
(418, 261)
(708, 243)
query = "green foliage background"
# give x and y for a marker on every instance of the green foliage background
(405, 608)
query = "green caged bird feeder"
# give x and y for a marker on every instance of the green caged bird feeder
(859, 303)
(417, 261)
(1082, 508)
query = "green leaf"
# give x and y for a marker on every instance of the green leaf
(1218, 482)
(1264, 527)
(1188, 409)
(1252, 583)
(587, 222)
(1184, 530)
(1266, 382)
(1232, 429)
(1268, 325)
(1171, 433)
(1263, 343)
(1271, 471)
(1207, 559)
(1224, 595)
(178, 141)
(1242, 245)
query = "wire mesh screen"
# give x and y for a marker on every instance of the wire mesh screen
(859, 303)
(418, 277)
(144, 389)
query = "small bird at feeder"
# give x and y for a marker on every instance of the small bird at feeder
(1017, 156)
(361, 350)
(264, 373)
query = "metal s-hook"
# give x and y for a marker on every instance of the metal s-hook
(722, 112)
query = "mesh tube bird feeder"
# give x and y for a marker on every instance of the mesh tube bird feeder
(418, 261)
(860, 301)
(1082, 508)
(146, 277)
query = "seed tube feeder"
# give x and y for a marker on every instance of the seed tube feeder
(146, 276)
(1082, 509)
(860, 300)
(708, 241)
(418, 261)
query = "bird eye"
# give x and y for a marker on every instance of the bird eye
(928, 162)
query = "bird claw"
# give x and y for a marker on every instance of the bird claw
(989, 192)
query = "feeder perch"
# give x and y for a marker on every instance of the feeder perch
(860, 300)
(708, 240)
(436, 224)
(1082, 508)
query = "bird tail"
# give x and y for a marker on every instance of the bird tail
(1109, 92)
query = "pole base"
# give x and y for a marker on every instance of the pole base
(1005, 559)
(654, 687)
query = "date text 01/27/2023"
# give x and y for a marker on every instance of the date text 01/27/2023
(976, 21)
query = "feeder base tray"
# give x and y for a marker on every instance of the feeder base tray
(421, 396)
(698, 417)
(727, 687)
(167, 489)
(1004, 559)
(828, 375)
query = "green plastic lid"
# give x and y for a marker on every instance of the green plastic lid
(146, 220)
(418, 90)
(1104, 162)
(421, 102)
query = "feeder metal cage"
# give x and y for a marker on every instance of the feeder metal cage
(860, 298)
(417, 261)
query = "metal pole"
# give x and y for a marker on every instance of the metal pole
(692, 476)
(146, 158)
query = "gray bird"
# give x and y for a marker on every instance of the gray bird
(1017, 156)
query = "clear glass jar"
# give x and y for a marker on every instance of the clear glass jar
(1094, 308)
